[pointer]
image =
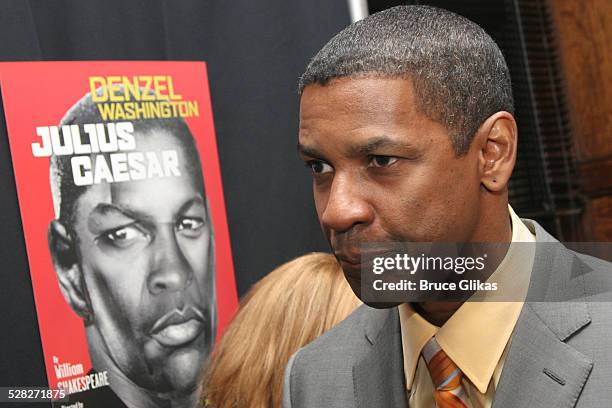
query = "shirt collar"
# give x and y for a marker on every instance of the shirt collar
(476, 335)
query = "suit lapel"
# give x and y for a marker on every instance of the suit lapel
(378, 378)
(541, 370)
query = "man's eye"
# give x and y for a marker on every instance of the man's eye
(319, 167)
(191, 227)
(382, 161)
(124, 237)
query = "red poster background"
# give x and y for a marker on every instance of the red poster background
(39, 94)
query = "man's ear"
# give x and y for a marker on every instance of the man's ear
(69, 274)
(497, 156)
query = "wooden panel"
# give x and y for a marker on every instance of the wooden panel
(584, 31)
(596, 177)
(584, 34)
(601, 215)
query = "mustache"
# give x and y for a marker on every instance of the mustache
(357, 241)
(355, 248)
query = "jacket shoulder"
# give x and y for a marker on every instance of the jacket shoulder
(320, 374)
(343, 343)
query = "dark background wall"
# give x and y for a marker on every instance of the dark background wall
(255, 52)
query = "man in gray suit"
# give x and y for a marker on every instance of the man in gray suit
(406, 121)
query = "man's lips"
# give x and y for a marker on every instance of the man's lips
(356, 259)
(355, 255)
(178, 327)
(350, 262)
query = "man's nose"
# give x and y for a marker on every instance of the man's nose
(170, 270)
(346, 205)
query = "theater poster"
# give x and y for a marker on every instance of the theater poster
(122, 206)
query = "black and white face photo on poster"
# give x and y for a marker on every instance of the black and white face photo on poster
(133, 249)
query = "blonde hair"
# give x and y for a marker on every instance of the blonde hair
(287, 309)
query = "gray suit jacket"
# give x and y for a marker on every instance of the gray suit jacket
(560, 354)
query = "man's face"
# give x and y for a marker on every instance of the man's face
(382, 170)
(145, 252)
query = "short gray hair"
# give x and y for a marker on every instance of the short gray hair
(459, 74)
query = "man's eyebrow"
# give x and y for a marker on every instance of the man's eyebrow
(197, 200)
(378, 142)
(107, 208)
(308, 151)
(368, 147)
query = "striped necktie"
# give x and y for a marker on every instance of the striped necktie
(446, 377)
